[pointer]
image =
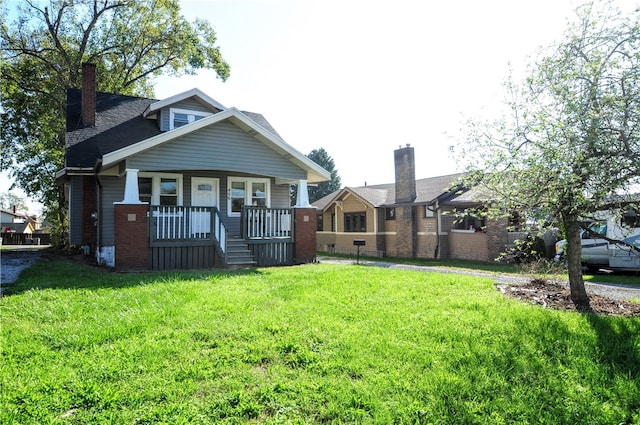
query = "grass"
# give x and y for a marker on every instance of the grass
(544, 268)
(310, 344)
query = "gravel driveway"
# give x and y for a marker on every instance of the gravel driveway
(14, 261)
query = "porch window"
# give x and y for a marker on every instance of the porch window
(168, 191)
(145, 188)
(355, 222)
(160, 189)
(180, 117)
(247, 191)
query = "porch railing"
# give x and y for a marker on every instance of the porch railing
(266, 223)
(175, 226)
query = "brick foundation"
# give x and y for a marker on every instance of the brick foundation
(131, 237)
(304, 235)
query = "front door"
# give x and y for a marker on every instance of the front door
(204, 193)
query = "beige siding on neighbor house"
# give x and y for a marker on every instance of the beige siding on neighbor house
(468, 245)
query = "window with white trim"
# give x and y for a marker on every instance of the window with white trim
(247, 191)
(180, 117)
(160, 189)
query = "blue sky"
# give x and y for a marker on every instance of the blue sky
(360, 78)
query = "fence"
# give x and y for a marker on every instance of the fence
(10, 238)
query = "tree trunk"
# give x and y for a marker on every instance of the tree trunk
(574, 264)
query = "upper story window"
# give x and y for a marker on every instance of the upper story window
(180, 117)
(247, 191)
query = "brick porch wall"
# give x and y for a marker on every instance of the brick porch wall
(305, 220)
(131, 237)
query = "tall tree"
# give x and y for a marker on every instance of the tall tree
(9, 200)
(322, 158)
(569, 145)
(43, 49)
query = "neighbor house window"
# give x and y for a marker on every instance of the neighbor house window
(180, 117)
(390, 213)
(470, 220)
(319, 223)
(247, 191)
(355, 222)
(160, 189)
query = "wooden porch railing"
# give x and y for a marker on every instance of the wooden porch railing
(186, 226)
(266, 223)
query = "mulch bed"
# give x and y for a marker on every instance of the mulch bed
(549, 295)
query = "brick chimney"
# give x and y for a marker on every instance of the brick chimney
(406, 222)
(88, 94)
(405, 174)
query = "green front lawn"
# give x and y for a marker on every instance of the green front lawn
(309, 344)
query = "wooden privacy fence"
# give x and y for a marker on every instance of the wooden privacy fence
(11, 238)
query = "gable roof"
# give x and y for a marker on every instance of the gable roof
(315, 173)
(383, 195)
(121, 130)
(207, 100)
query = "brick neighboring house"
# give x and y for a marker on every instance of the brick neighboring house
(182, 183)
(410, 218)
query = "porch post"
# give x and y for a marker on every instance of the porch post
(304, 234)
(302, 199)
(131, 228)
(131, 191)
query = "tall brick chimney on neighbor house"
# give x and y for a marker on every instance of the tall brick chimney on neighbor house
(405, 174)
(88, 94)
(406, 222)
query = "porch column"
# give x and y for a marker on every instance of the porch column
(131, 191)
(302, 199)
(131, 248)
(305, 226)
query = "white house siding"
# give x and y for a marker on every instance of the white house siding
(222, 147)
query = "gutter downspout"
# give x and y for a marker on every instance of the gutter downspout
(437, 217)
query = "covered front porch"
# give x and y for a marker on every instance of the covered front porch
(200, 237)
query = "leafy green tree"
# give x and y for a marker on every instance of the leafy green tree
(569, 145)
(322, 158)
(8, 200)
(43, 49)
